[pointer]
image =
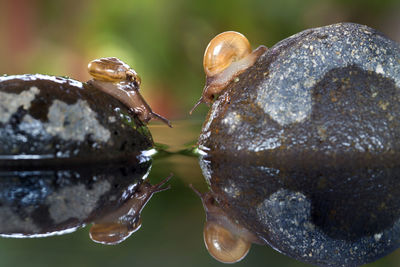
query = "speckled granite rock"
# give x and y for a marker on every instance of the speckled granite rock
(57, 120)
(303, 149)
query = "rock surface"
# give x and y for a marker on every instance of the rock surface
(303, 149)
(69, 154)
(52, 120)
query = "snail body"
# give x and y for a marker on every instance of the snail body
(116, 78)
(119, 224)
(303, 150)
(226, 56)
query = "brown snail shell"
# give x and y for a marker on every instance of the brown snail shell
(225, 240)
(226, 56)
(114, 77)
(112, 69)
(224, 49)
(223, 245)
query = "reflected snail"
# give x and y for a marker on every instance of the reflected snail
(225, 240)
(118, 225)
(117, 79)
(226, 57)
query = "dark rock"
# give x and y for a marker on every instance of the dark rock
(69, 155)
(303, 149)
(39, 203)
(52, 120)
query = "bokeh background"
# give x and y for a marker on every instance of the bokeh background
(164, 41)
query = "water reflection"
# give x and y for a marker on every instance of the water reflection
(172, 233)
(40, 202)
(41, 197)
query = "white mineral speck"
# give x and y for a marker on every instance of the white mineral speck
(112, 119)
(378, 236)
(379, 69)
(232, 121)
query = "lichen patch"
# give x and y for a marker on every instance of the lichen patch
(10, 221)
(63, 207)
(10, 103)
(74, 122)
(32, 126)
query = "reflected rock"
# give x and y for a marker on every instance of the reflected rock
(303, 149)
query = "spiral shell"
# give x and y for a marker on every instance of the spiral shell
(112, 69)
(224, 49)
(223, 245)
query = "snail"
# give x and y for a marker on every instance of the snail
(303, 151)
(116, 78)
(227, 56)
(119, 224)
(225, 240)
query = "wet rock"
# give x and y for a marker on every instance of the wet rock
(303, 148)
(70, 155)
(51, 120)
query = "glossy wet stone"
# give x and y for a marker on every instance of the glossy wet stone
(69, 155)
(64, 121)
(303, 148)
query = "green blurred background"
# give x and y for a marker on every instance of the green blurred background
(164, 41)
